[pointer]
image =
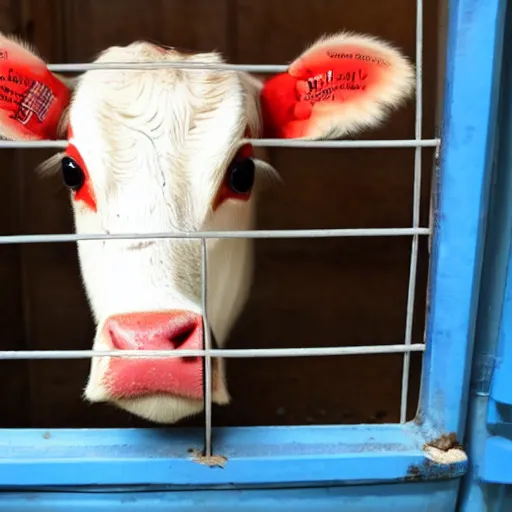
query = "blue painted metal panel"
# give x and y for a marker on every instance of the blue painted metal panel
(502, 379)
(496, 466)
(472, 73)
(488, 419)
(255, 456)
(426, 497)
(497, 463)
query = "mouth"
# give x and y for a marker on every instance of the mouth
(158, 389)
(127, 378)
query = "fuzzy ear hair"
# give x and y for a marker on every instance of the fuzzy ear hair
(32, 99)
(341, 84)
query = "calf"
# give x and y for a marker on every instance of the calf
(166, 150)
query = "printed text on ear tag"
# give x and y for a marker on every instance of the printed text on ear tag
(31, 97)
(329, 76)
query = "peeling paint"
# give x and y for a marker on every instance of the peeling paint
(444, 442)
(444, 458)
(451, 456)
(212, 461)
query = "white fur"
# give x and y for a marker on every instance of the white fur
(156, 144)
(151, 138)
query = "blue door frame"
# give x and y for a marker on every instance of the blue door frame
(312, 468)
(488, 483)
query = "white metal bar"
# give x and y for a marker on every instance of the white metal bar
(226, 353)
(272, 143)
(277, 233)
(33, 144)
(343, 144)
(411, 292)
(81, 67)
(207, 358)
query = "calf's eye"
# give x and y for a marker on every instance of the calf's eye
(72, 174)
(241, 176)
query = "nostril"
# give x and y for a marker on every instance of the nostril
(113, 338)
(179, 339)
(189, 359)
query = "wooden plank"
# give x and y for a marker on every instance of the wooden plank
(314, 293)
(198, 25)
(13, 374)
(55, 309)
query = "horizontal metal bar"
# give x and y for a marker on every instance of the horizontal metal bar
(92, 66)
(345, 144)
(110, 459)
(271, 143)
(33, 144)
(277, 233)
(315, 494)
(227, 353)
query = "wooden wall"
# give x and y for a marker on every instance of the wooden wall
(307, 293)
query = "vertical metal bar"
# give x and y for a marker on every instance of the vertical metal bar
(416, 210)
(207, 361)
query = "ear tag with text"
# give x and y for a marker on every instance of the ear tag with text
(32, 99)
(328, 80)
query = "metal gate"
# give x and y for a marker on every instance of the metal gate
(411, 465)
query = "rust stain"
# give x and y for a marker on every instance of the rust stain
(413, 474)
(444, 442)
(212, 461)
(445, 459)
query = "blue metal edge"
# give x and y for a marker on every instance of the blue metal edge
(424, 496)
(484, 415)
(469, 122)
(496, 463)
(499, 414)
(501, 390)
(255, 456)
(496, 466)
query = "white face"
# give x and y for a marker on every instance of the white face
(155, 151)
(158, 147)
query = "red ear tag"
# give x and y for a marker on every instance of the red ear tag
(322, 79)
(32, 99)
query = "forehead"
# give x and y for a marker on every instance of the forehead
(188, 115)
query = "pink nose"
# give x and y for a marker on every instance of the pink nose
(166, 330)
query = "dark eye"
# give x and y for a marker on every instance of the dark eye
(72, 174)
(241, 176)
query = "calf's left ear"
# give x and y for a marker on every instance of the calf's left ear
(32, 99)
(342, 84)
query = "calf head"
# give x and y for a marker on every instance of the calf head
(166, 150)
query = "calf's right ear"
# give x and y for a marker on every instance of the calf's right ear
(342, 84)
(32, 99)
